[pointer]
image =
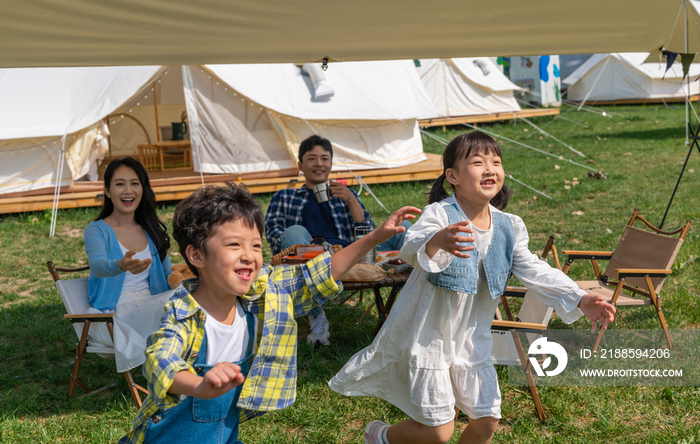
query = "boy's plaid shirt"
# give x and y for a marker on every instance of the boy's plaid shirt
(287, 209)
(276, 297)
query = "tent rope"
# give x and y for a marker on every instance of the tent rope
(521, 144)
(546, 134)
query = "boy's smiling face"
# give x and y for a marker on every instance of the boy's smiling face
(233, 258)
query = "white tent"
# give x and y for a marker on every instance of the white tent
(44, 111)
(627, 76)
(467, 86)
(243, 118)
(182, 32)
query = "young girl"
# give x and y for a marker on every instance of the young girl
(127, 246)
(434, 352)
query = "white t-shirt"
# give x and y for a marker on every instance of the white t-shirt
(136, 282)
(226, 343)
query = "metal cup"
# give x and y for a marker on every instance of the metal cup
(322, 192)
(368, 258)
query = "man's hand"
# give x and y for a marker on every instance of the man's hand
(223, 377)
(135, 266)
(597, 310)
(448, 239)
(341, 191)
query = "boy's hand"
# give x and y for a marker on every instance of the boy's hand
(392, 225)
(597, 310)
(448, 239)
(223, 377)
(135, 266)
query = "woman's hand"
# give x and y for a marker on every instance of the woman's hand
(135, 266)
(392, 225)
(448, 239)
(597, 310)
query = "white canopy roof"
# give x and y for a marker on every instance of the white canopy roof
(177, 32)
(386, 90)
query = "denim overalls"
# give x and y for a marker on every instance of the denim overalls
(203, 421)
(462, 273)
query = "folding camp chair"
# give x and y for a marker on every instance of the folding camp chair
(640, 263)
(533, 318)
(74, 294)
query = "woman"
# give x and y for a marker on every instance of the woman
(127, 246)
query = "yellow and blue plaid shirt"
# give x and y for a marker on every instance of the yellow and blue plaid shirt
(276, 297)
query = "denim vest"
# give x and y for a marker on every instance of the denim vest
(462, 273)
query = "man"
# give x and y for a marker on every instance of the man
(296, 217)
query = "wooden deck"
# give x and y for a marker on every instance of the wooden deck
(90, 194)
(693, 98)
(482, 118)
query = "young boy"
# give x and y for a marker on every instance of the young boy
(227, 352)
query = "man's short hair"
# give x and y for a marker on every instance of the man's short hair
(197, 217)
(310, 142)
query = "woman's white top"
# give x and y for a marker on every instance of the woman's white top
(226, 343)
(136, 282)
(434, 334)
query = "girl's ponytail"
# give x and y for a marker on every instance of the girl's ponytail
(500, 201)
(438, 192)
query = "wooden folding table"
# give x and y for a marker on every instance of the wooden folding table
(395, 281)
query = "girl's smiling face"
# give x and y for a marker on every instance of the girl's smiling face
(478, 178)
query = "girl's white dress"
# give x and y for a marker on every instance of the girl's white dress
(434, 351)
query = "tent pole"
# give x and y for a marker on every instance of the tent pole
(687, 80)
(155, 107)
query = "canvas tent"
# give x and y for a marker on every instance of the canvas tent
(467, 86)
(242, 118)
(182, 32)
(44, 111)
(627, 77)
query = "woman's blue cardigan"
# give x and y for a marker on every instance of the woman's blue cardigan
(106, 278)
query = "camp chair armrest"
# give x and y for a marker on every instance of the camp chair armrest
(577, 254)
(92, 317)
(517, 292)
(517, 325)
(641, 272)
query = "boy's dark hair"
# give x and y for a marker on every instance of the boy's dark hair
(145, 214)
(197, 217)
(310, 142)
(459, 149)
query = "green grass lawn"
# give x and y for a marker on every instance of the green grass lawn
(640, 149)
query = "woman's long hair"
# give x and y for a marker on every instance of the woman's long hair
(145, 214)
(459, 149)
